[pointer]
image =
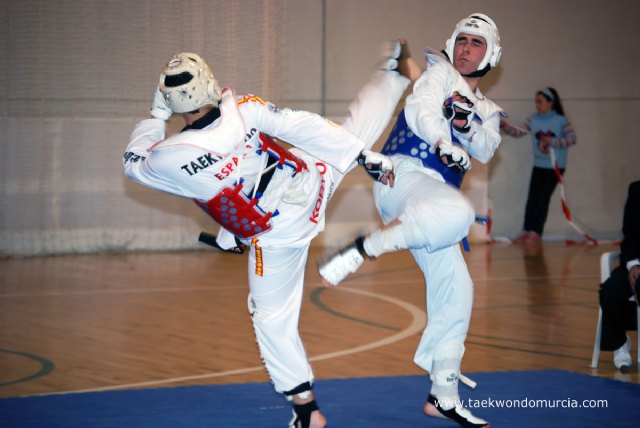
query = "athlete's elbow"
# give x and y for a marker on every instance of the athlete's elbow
(483, 157)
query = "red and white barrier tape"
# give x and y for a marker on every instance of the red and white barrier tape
(565, 209)
(565, 205)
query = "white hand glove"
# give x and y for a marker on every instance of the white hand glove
(377, 165)
(455, 156)
(159, 108)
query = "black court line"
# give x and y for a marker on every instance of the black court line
(315, 298)
(529, 342)
(47, 367)
(527, 351)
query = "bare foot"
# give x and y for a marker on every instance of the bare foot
(407, 66)
(431, 410)
(317, 420)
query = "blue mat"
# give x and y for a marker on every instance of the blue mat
(511, 399)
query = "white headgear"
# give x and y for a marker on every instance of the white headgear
(187, 83)
(478, 24)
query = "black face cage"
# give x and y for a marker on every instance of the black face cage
(173, 80)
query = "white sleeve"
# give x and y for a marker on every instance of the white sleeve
(164, 169)
(423, 112)
(145, 134)
(310, 132)
(485, 138)
(423, 109)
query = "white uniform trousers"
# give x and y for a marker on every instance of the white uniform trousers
(434, 217)
(276, 293)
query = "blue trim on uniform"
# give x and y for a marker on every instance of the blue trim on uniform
(402, 141)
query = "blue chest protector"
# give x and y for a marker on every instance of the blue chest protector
(403, 141)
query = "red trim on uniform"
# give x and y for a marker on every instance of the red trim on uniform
(253, 98)
(259, 260)
(317, 207)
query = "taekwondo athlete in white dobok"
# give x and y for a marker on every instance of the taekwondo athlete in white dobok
(271, 199)
(446, 120)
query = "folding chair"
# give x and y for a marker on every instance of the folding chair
(607, 262)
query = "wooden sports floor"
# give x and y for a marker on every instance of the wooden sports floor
(139, 320)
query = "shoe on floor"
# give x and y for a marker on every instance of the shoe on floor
(532, 237)
(622, 356)
(527, 236)
(335, 269)
(522, 237)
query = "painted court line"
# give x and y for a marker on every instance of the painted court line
(417, 324)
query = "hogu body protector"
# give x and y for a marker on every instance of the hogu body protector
(232, 207)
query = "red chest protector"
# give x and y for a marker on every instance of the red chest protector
(242, 216)
(237, 213)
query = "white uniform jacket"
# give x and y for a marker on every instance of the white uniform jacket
(424, 116)
(199, 164)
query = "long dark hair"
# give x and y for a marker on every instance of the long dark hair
(551, 94)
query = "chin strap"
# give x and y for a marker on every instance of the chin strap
(477, 73)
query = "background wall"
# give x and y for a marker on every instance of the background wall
(78, 74)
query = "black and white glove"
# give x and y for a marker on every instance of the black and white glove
(377, 165)
(159, 108)
(459, 111)
(453, 156)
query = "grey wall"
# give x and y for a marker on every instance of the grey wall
(585, 49)
(72, 90)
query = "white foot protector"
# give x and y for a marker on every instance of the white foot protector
(391, 53)
(340, 265)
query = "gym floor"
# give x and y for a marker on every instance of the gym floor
(136, 320)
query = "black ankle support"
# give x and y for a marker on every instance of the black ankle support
(303, 387)
(303, 413)
(360, 246)
(452, 414)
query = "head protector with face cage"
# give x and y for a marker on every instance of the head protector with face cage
(478, 24)
(187, 83)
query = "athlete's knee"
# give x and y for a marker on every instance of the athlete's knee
(435, 226)
(463, 212)
(456, 209)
